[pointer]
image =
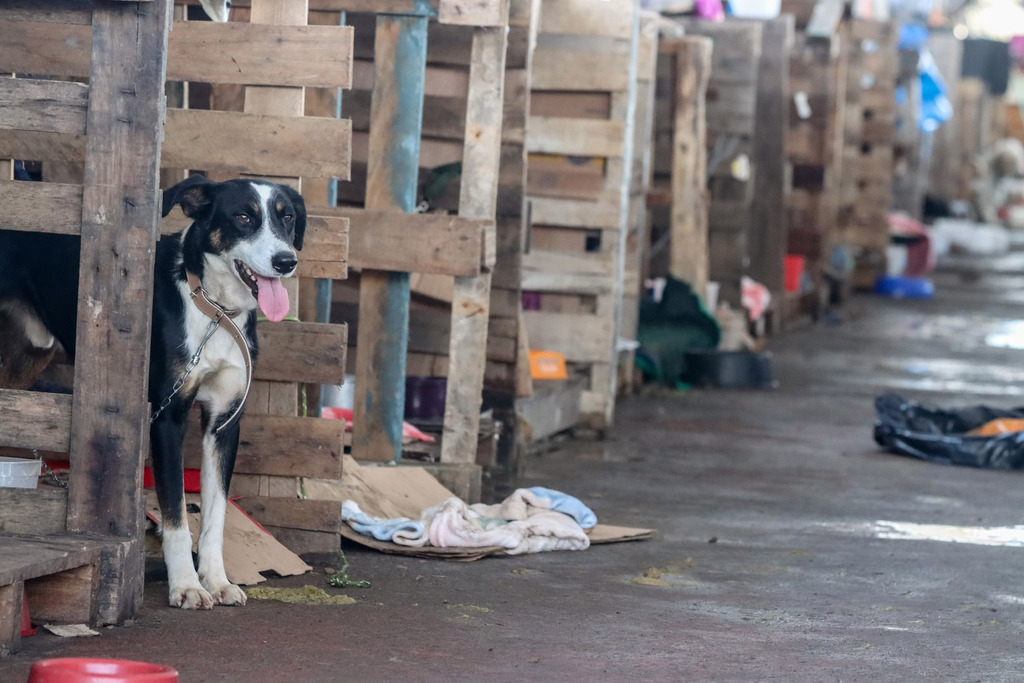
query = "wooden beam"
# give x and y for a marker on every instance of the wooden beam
(35, 420)
(236, 142)
(260, 54)
(766, 239)
(33, 511)
(120, 226)
(565, 69)
(477, 199)
(400, 54)
(581, 337)
(473, 12)
(688, 251)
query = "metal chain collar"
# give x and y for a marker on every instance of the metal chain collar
(46, 468)
(192, 363)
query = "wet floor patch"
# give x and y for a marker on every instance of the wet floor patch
(1012, 536)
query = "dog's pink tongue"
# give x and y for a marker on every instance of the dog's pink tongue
(273, 298)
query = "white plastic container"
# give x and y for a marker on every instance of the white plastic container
(19, 473)
(756, 9)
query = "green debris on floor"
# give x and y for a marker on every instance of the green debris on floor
(306, 595)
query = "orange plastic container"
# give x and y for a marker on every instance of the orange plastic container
(87, 670)
(793, 272)
(547, 365)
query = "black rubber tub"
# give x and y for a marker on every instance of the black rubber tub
(729, 369)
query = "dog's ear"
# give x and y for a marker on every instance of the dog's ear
(194, 194)
(300, 215)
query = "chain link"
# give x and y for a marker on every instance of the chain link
(46, 468)
(192, 363)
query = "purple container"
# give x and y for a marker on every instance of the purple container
(424, 397)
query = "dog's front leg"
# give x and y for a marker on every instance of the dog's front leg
(219, 450)
(166, 436)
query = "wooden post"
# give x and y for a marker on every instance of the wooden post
(767, 233)
(467, 351)
(120, 226)
(688, 259)
(396, 118)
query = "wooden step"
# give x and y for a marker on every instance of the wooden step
(58, 574)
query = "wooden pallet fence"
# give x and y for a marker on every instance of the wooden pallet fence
(731, 128)
(814, 153)
(85, 543)
(869, 135)
(579, 140)
(442, 260)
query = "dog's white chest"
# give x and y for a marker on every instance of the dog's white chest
(220, 360)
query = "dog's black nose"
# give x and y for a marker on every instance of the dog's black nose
(284, 262)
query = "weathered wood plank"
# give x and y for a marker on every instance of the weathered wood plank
(477, 199)
(120, 225)
(23, 557)
(473, 12)
(310, 515)
(688, 257)
(35, 420)
(582, 17)
(561, 271)
(581, 337)
(41, 207)
(237, 142)
(260, 54)
(301, 352)
(282, 445)
(582, 137)
(43, 106)
(67, 597)
(11, 597)
(574, 213)
(53, 11)
(564, 69)
(33, 511)
(37, 47)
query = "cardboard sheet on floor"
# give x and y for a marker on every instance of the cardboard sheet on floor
(248, 548)
(397, 491)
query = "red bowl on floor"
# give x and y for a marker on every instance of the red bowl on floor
(88, 670)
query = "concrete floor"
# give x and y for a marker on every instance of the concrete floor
(764, 566)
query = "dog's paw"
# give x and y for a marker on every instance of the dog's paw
(228, 594)
(191, 597)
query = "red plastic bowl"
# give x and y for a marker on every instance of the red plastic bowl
(87, 670)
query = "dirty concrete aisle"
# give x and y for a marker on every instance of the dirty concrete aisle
(763, 568)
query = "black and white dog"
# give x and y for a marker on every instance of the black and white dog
(240, 244)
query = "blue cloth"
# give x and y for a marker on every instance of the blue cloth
(379, 528)
(566, 504)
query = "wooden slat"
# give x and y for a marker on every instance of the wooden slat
(260, 54)
(301, 352)
(311, 515)
(441, 81)
(574, 213)
(281, 445)
(53, 11)
(41, 207)
(236, 142)
(35, 420)
(587, 18)
(581, 337)
(33, 511)
(473, 12)
(580, 137)
(36, 47)
(39, 146)
(560, 271)
(577, 70)
(43, 106)
(481, 160)
(421, 243)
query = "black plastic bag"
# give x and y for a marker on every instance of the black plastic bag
(931, 433)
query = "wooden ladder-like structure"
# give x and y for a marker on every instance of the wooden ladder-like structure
(77, 553)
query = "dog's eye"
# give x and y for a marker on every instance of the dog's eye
(288, 218)
(242, 218)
